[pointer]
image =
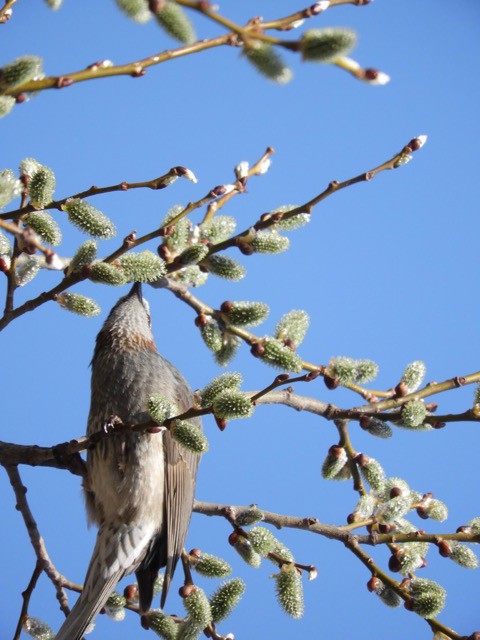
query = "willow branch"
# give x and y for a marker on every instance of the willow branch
(5, 11)
(26, 595)
(36, 539)
(161, 182)
(134, 69)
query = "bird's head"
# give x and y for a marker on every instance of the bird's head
(128, 325)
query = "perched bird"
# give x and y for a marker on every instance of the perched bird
(140, 485)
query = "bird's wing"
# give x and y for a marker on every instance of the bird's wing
(180, 476)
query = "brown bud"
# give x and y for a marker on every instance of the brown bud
(288, 343)
(361, 459)
(395, 492)
(365, 421)
(233, 538)
(330, 383)
(226, 306)
(257, 350)
(144, 622)
(63, 81)
(3, 265)
(444, 548)
(351, 518)
(384, 527)
(186, 590)
(201, 320)
(138, 73)
(431, 406)
(221, 423)
(282, 377)
(195, 553)
(264, 217)
(336, 451)
(439, 425)
(164, 252)
(409, 604)
(371, 74)
(401, 390)
(130, 591)
(245, 248)
(168, 230)
(22, 97)
(422, 513)
(373, 584)
(394, 564)
(218, 191)
(130, 239)
(87, 271)
(464, 529)
(311, 375)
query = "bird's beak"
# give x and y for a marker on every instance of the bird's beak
(136, 290)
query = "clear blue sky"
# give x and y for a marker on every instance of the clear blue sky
(387, 270)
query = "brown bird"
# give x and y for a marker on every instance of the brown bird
(140, 485)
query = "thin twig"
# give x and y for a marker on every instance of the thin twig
(36, 539)
(26, 595)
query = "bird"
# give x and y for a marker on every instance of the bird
(140, 485)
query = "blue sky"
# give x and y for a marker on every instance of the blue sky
(387, 270)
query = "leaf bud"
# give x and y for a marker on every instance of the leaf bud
(224, 382)
(464, 556)
(228, 350)
(334, 463)
(372, 471)
(136, 10)
(376, 427)
(107, 273)
(198, 607)
(88, 219)
(41, 187)
(293, 326)
(428, 597)
(162, 624)
(226, 598)
(210, 566)
(45, 226)
(279, 356)
(142, 267)
(326, 45)
(84, 255)
(290, 591)
(212, 336)
(5, 246)
(175, 22)
(444, 548)
(413, 413)
(26, 270)
(78, 304)
(269, 242)
(225, 267)
(189, 436)
(6, 105)
(413, 375)
(247, 314)
(244, 549)
(218, 229)
(232, 404)
(19, 71)
(267, 61)
(249, 516)
(160, 408)
(37, 629)
(388, 596)
(193, 254)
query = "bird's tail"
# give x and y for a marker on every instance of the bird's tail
(118, 550)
